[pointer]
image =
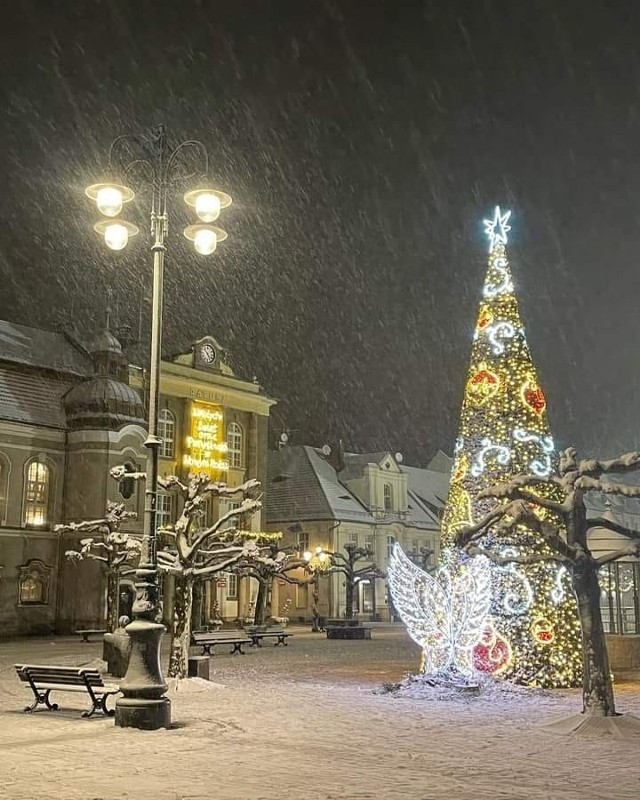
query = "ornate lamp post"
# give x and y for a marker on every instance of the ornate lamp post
(143, 704)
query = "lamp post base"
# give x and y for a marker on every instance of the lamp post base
(143, 704)
(145, 714)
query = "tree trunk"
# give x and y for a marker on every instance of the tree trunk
(181, 627)
(261, 602)
(350, 587)
(196, 605)
(113, 586)
(597, 687)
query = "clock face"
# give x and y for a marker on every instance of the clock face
(207, 354)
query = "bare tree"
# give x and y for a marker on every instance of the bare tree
(274, 562)
(347, 565)
(115, 550)
(521, 505)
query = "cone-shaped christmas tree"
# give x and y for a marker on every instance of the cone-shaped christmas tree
(533, 634)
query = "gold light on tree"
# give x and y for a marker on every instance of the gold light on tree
(532, 634)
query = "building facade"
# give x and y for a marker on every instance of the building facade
(368, 500)
(68, 413)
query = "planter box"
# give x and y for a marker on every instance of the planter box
(348, 632)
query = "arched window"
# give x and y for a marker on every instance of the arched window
(388, 497)
(234, 444)
(36, 494)
(167, 432)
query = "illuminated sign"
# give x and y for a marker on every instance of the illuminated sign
(205, 448)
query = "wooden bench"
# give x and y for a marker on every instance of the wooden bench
(208, 640)
(90, 632)
(45, 679)
(270, 633)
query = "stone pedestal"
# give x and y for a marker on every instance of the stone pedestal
(199, 667)
(143, 704)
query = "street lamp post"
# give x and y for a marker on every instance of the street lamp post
(143, 704)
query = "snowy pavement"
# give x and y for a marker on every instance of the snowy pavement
(305, 722)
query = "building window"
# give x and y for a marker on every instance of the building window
(234, 444)
(352, 537)
(167, 432)
(33, 583)
(303, 542)
(620, 597)
(127, 486)
(369, 543)
(164, 509)
(4, 482)
(36, 494)
(388, 497)
(232, 587)
(302, 596)
(391, 540)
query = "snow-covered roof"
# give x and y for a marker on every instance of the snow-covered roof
(304, 486)
(42, 349)
(35, 399)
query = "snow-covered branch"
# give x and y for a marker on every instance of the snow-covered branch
(611, 525)
(633, 551)
(587, 484)
(629, 462)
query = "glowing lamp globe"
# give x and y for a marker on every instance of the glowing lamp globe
(207, 203)
(208, 206)
(109, 197)
(116, 232)
(205, 242)
(205, 237)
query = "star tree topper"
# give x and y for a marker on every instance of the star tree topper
(497, 228)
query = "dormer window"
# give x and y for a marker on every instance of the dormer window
(388, 497)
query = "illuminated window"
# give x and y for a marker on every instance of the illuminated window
(167, 432)
(388, 497)
(36, 494)
(164, 510)
(369, 542)
(33, 583)
(620, 597)
(232, 587)
(234, 444)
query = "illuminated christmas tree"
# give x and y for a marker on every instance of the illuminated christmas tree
(532, 634)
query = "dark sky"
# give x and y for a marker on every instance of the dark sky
(363, 142)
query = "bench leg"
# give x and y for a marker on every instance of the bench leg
(99, 704)
(282, 640)
(206, 649)
(237, 648)
(41, 698)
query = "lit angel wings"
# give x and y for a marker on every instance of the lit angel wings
(445, 612)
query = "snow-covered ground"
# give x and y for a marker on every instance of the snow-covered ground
(307, 721)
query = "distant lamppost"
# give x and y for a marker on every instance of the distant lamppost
(143, 704)
(318, 563)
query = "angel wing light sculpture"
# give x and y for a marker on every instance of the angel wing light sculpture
(444, 612)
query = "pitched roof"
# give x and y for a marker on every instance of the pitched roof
(302, 485)
(34, 347)
(35, 399)
(430, 486)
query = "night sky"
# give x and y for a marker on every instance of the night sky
(363, 141)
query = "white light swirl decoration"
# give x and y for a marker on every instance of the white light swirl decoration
(504, 330)
(492, 290)
(539, 467)
(519, 598)
(503, 456)
(444, 613)
(557, 592)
